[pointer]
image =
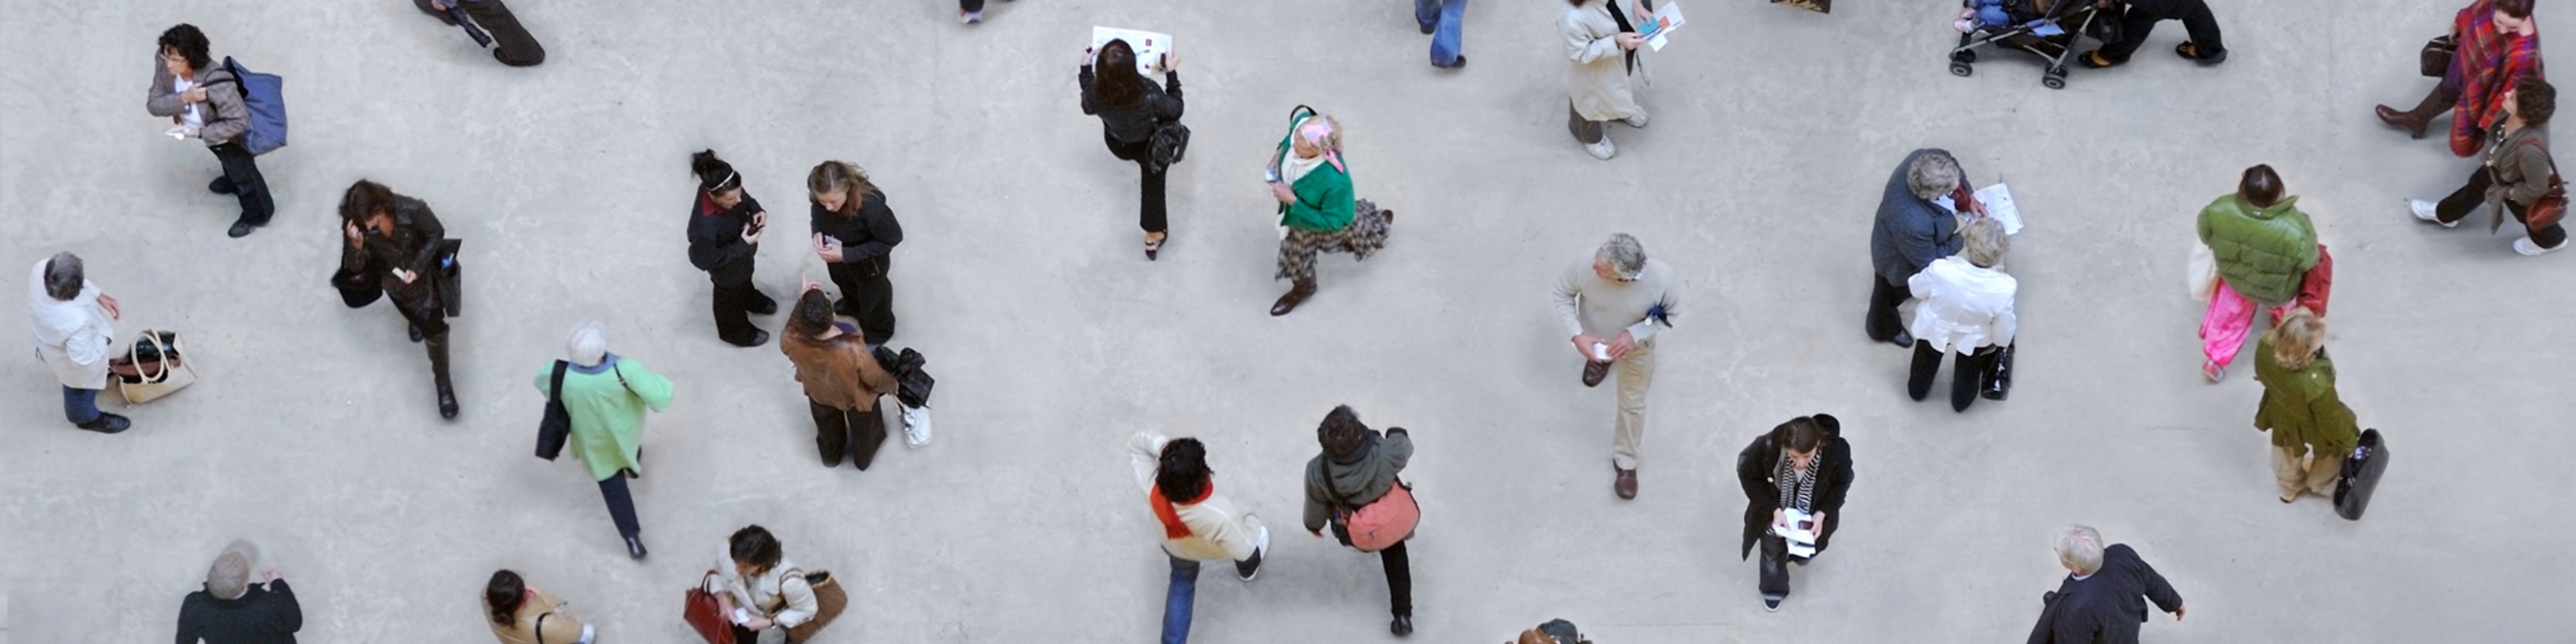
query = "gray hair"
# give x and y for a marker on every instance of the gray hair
(63, 276)
(1624, 254)
(588, 344)
(1986, 242)
(2080, 548)
(1932, 175)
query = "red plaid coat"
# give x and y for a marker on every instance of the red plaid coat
(2487, 64)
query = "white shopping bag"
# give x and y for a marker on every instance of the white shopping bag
(916, 426)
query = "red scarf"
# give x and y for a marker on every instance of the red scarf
(1171, 517)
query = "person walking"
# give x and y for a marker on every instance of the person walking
(2516, 173)
(725, 225)
(1801, 467)
(1131, 107)
(1967, 309)
(1611, 305)
(1912, 230)
(231, 610)
(1198, 524)
(606, 396)
(71, 320)
(511, 43)
(2105, 595)
(1602, 43)
(1442, 20)
(204, 101)
(522, 614)
(855, 235)
(2264, 247)
(2312, 430)
(2140, 18)
(753, 574)
(1358, 469)
(842, 379)
(2497, 46)
(971, 11)
(1317, 210)
(395, 244)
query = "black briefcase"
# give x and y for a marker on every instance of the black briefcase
(2360, 476)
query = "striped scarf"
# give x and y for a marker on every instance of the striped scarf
(2487, 64)
(1797, 486)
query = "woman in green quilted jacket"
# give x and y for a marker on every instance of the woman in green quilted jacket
(2312, 431)
(2264, 247)
(1317, 211)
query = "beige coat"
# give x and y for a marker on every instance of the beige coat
(781, 593)
(838, 372)
(559, 629)
(1218, 530)
(1599, 81)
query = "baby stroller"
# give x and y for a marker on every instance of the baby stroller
(2045, 28)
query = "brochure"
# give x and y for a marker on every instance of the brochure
(1661, 23)
(1149, 46)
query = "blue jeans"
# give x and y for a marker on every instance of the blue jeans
(80, 405)
(1178, 601)
(1441, 18)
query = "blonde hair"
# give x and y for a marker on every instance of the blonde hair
(2296, 340)
(1986, 242)
(840, 176)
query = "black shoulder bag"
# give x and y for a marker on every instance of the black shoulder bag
(556, 427)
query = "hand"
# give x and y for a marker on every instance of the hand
(193, 95)
(760, 219)
(759, 624)
(1777, 519)
(406, 276)
(1583, 345)
(109, 303)
(750, 235)
(1171, 62)
(1620, 346)
(269, 576)
(831, 251)
(1281, 192)
(1629, 40)
(2178, 613)
(1088, 56)
(350, 230)
(189, 130)
(1818, 522)
(440, 5)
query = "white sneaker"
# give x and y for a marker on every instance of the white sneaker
(1260, 552)
(2425, 210)
(1638, 121)
(2525, 247)
(970, 17)
(1602, 150)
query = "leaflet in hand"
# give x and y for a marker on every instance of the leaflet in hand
(1999, 204)
(1663, 21)
(1801, 542)
(1149, 46)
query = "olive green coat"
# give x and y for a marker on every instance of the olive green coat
(2300, 407)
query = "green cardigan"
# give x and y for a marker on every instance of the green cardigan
(2301, 408)
(1324, 200)
(607, 415)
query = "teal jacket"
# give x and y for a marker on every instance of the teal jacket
(1324, 200)
(2262, 253)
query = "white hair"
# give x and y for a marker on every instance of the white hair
(588, 344)
(1932, 175)
(2080, 548)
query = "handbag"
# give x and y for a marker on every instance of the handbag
(2437, 56)
(829, 600)
(2545, 211)
(1382, 523)
(2201, 275)
(358, 289)
(706, 615)
(556, 426)
(1998, 380)
(162, 371)
(1171, 141)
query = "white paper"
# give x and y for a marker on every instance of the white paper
(1802, 543)
(1149, 46)
(1999, 205)
(1665, 19)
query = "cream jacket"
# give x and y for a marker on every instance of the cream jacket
(775, 594)
(1218, 530)
(1599, 82)
(73, 336)
(1963, 307)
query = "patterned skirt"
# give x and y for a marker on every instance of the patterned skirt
(1363, 237)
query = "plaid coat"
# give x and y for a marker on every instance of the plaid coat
(2487, 64)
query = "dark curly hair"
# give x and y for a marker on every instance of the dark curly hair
(753, 545)
(1341, 432)
(813, 313)
(1182, 472)
(189, 43)
(2535, 101)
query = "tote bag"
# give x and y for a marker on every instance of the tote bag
(156, 355)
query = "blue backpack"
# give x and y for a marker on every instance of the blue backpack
(264, 96)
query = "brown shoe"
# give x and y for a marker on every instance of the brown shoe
(1296, 295)
(1626, 484)
(1593, 372)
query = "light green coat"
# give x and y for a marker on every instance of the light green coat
(607, 410)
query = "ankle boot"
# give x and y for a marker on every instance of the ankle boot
(1296, 295)
(2416, 120)
(438, 371)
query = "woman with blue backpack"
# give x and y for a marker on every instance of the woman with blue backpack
(204, 101)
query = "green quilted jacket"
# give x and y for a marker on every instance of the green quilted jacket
(2262, 253)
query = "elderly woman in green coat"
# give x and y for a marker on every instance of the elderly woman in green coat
(2312, 430)
(1317, 211)
(606, 396)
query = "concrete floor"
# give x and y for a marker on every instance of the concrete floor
(314, 432)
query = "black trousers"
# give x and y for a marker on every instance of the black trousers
(2142, 17)
(1966, 376)
(511, 43)
(1881, 321)
(867, 294)
(1775, 566)
(839, 432)
(621, 506)
(1399, 578)
(1149, 210)
(2467, 199)
(734, 305)
(970, 5)
(241, 174)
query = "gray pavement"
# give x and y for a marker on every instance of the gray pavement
(315, 434)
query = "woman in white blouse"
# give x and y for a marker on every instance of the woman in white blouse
(762, 592)
(1966, 308)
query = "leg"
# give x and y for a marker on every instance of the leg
(1445, 37)
(1967, 374)
(80, 405)
(1585, 131)
(867, 433)
(434, 331)
(249, 188)
(876, 301)
(2223, 329)
(2323, 471)
(1297, 255)
(1775, 568)
(2550, 236)
(831, 432)
(2288, 472)
(1399, 578)
(756, 302)
(733, 321)
(1150, 214)
(1636, 374)
(1178, 600)
(1927, 363)
(1426, 14)
(1881, 322)
(970, 6)
(511, 43)
(2203, 27)
(2443, 97)
(621, 506)
(2135, 24)
(844, 276)
(2465, 200)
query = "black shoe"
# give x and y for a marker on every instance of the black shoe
(222, 186)
(1402, 626)
(241, 229)
(447, 402)
(1462, 62)
(762, 306)
(106, 423)
(1903, 339)
(1770, 603)
(415, 333)
(843, 308)
(757, 338)
(635, 548)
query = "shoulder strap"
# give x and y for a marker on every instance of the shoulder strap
(554, 391)
(541, 627)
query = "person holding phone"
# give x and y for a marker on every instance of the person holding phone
(1602, 44)
(394, 244)
(1804, 466)
(204, 101)
(725, 224)
(855, 235)
(1317, 210)
(1130, 108)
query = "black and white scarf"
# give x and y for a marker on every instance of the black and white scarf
(1797, 486)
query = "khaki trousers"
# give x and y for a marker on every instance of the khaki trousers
(1636, 373)
(2295, 471)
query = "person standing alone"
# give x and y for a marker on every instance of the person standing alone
(1131, 108)
(395, 244)
(1352, 478)
(1611, 305)
(1602, 44)
(73, 335)
(724, 239)
(606, 395)
(855, 235)
(204, 102)
(2105, 595)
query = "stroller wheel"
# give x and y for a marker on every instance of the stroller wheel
(1964, 56)
(2054, 80)
(1961, 69)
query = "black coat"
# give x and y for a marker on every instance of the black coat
(715, 240)
(1753, 468)
(260, 616)
(1134, 124)
(868, 237)
(2107, 607)
(413, 246)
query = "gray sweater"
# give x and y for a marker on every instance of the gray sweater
(1585, 303)
(1356, 479)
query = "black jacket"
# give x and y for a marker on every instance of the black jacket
(715, 240)
(2107, 607)
(1134, 124)
(1753, 468)
(869, 236)
(260, 616)
(413, 246)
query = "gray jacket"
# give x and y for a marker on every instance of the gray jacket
(1910, 232)
(1356, 479)
(2522, 167)
(227, 119)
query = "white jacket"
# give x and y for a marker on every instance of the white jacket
(1963, 307)
(783, 598)
(73, 336)
(1218, 530)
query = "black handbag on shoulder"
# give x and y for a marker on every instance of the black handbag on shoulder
(556, 427)
(1999, 375)
(1171, 141)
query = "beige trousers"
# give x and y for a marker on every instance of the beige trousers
(1636, 373)
(2297, 471)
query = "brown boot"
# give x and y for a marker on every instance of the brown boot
(2416, 120)
(1296, 295)
(438, 371)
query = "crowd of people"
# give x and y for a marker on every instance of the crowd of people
(1932, 242)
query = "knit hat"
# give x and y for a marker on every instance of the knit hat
(230, 576)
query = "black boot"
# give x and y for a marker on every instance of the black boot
(106, 423)
(438, 371)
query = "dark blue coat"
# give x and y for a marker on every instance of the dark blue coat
(1910, 232)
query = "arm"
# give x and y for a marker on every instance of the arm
(1090, 102)
(229, 118)
(1231, 531)
(1319, 507)
(1750, 473)
(1580, 46)
(188, 623)
(426, 223)
(1567, 297)
(87, 347)
(2157, 590)
(1169, 108)
(1145, 453)
(652, 387)
(1838, 472)
(1671, 300)
(1922, 285)
(2006, 324)
(1398, 447)
(1918, 238)
(353, 259)
(883, 231)
(285, 615)
(872, 375)
(712, 244)
(800, 601)
(162, 101)
(2534, 165)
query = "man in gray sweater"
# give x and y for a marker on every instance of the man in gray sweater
(1611, 305)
